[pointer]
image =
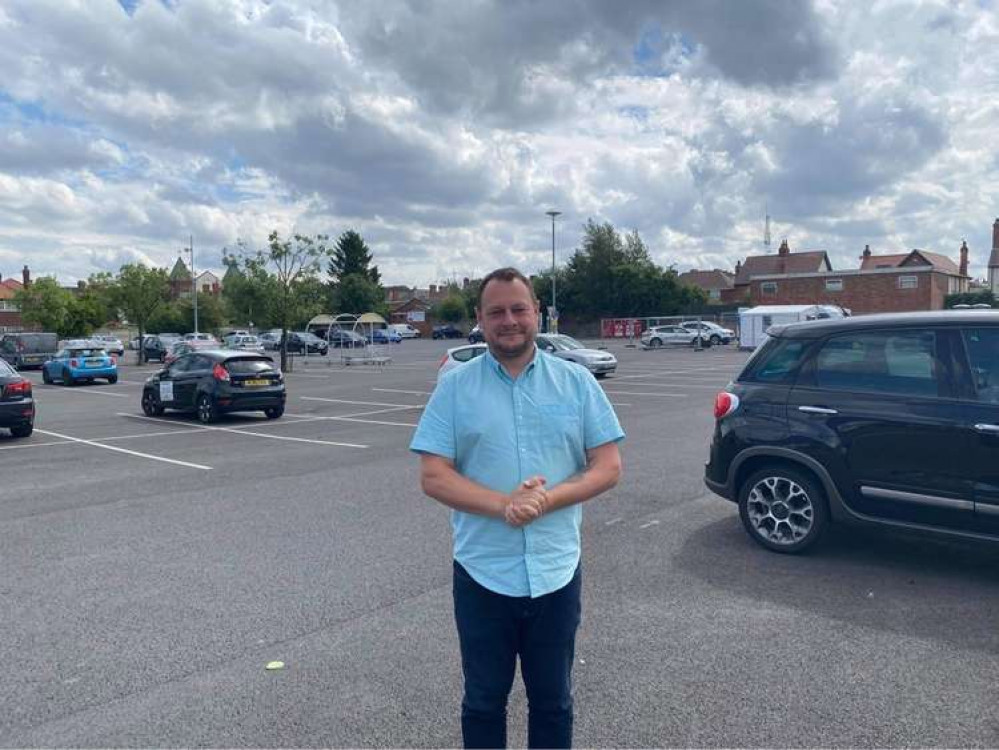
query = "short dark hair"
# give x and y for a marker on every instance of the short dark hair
(505, 274)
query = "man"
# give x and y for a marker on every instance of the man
(513, 442)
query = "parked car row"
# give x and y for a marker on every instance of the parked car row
(598, 362)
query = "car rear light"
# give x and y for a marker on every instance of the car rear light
(441, 363)
(74, 363)
(21, 388)
(114, 359)
(725, 404)
(220, 373)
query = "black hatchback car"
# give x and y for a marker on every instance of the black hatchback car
(881, 419)
(447, 332)
(210, 383)
(17, 405)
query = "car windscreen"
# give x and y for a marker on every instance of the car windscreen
(6, 370)
(249, 366)
(565, 343)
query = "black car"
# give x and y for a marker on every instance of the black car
(340, 338)
(156, 348)
(24, 350)
(17, 405)
(476, 336)
(213, 382)
(447, 332)
(301, 342)
(880, 419)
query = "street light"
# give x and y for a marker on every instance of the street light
(553, 310)
(194, 281)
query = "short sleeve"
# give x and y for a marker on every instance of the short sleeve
(600, 424)
(435, 431)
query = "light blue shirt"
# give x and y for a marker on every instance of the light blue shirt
(500, 432)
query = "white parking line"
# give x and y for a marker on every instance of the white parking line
(34, 445)
(124, 450)
(215, 428)
(356, 403)
(87, 391)
(396, 390)
(650, 523)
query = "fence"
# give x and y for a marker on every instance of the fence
(626, 328)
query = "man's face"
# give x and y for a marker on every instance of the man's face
(508, 317)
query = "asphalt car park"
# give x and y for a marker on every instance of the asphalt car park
(154, 566)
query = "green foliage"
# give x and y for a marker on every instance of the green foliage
(211, 313)
(288, 271)
(451, 309)
(981, 297)
(140, 291)
(46, 304)
(168, 318)
(614, 276)
(357, 294)
(351, 257)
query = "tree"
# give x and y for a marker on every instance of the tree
(247, 293)
(139, 293)
(357, 294)
(211, 313)
(351, 256)
(292, 265)
(46, 304)
(451, 309)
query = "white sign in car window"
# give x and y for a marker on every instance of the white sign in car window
(166, 390)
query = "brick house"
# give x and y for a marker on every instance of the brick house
(784, 262)
(180, 280)
(10, 313)
(713, 282)
(917, 280)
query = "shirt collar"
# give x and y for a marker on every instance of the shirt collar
(496, 367)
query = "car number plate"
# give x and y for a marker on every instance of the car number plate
(94, 363)
(252, 383)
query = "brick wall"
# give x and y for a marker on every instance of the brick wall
(862, 293)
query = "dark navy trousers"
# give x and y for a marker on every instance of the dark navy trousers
(493, 631)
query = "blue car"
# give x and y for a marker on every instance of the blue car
(80, 360)
(384, 336)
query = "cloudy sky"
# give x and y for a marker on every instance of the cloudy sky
(442, 130)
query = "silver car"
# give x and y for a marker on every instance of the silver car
(598, 362)
(457, 356)
(710, 331)
(668, 336)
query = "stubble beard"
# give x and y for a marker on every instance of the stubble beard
(503, 351)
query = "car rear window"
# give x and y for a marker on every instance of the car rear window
(982, 345)
(249, 366)
(87, 353)
(776, 361)
(900, 362)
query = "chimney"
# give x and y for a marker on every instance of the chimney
(867, 252)
(995, 234)
(783, 249)
(964, 258)
(26, 276)
(738, 267)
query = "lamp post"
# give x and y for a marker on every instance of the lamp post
(194, 282)
(553, 310)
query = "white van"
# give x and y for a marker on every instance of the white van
(405, 330)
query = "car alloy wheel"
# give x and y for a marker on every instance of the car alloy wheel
(783, 509)
(149, 406)
(715, 339)
(656, 343)
(206, 409)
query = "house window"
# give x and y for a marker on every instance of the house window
(7, 305)
(834, 285)
(768, 288)
(908, 282)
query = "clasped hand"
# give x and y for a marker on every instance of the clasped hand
(526, 503)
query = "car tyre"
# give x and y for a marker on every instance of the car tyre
(274, 412)
(207, 413)
(655, 343)
(783, 508)
(22, 430)
(112, 379)
(67, 378)
(150, 406)
(715, 339)
(46, 378)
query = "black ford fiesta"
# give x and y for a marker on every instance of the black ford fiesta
(210, 383)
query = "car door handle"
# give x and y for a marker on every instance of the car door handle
(817, 410)
(990, 429)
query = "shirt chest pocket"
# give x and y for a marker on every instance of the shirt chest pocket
(557, 423)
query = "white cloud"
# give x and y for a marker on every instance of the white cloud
(443, 131)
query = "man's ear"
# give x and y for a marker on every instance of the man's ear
(478, 316)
